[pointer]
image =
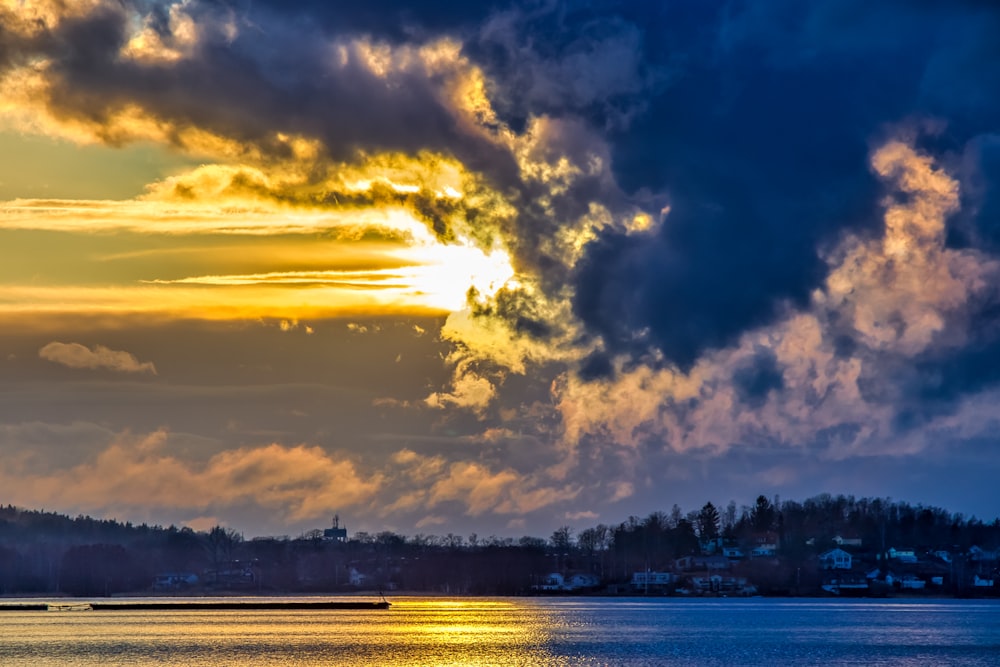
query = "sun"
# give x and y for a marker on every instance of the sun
(446, 274)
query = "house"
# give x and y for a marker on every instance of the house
(903, 555)
(650, 578)
(846, 585)
(644, 581)
(982, 583)
(687, 563)
(708, 563)
(556, 582)
(581, 580)
(707, 584)
(719, 584)
(764, 551)
(356, 578)
(835, 559)
(980, 555)
(172, 581)
(709, 547)
(845, 541)
(234, 574)
(737, 585)
(732, 553)
(943, 555)
(551, 582)
(911, 582)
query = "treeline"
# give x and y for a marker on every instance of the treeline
(48, 553)
(799, 530)
(775, 545)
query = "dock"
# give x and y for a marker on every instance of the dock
(205, 605)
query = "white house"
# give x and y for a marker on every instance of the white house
(835, 559)
(174, 580)
(847, 541)
(982, 583)
(978, 554)
(356, 578)
(707, 584)
(553, 582)
(643, 579)
(903, 555)
(574, 582)
(912, 582)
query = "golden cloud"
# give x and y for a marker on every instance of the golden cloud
(469, 390)
(471, 484)
(75, 355)
(301, 482)
(899, 291)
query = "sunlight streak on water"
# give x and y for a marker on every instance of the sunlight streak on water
(476, 631)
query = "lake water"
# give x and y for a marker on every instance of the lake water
(520, 631)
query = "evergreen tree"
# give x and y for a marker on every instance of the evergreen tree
(708, 522)
(762, 515)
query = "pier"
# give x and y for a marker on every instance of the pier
(192, 605)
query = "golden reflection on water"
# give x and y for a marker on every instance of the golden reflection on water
(471, 632)
(416, 631)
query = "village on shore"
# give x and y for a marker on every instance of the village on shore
(827, 545)
(722, 570)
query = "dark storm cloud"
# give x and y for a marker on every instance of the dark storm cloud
(757, 377)
(278, 78)
(559, 59)
(760, 139)
(397, 20)
(687, 289)
(938, 381)
(979, 169)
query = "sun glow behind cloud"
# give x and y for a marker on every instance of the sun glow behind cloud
(379, 256)
(420, 279)
(434, 277)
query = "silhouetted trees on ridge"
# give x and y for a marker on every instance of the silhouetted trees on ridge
(48, 553)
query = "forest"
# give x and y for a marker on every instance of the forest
(773, 543)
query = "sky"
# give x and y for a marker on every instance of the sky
(496, 268)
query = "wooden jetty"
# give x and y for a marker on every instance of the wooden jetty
(199, 605)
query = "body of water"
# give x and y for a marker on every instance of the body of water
(520, 631)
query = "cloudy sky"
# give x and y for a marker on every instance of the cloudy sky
(496, 268)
